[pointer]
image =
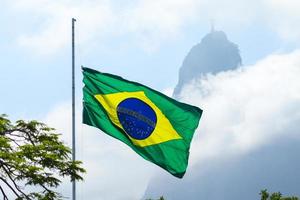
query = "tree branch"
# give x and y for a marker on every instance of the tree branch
(3, 193)
(26, 134)
(32, 153)
(12, 189)
(8, 172)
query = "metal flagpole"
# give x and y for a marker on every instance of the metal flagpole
(73, 106)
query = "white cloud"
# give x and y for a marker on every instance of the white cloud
(168, 91)
(247, 135)
(149, 22)
(284, 17)
(154, 21)
(246, 108)
(54, 32)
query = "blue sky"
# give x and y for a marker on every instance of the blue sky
(38, 55)
(141, 40)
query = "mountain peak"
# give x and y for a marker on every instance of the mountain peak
(213, 54)
(215, 36)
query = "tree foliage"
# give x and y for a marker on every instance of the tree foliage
(33, 160)
(275, 196)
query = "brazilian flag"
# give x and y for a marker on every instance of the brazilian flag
(158, 128)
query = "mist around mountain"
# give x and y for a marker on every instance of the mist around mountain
(248, 138)
(240, 178)
(213, 54)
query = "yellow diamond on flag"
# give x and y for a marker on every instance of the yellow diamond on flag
(138, 117)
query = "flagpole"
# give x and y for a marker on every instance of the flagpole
(73, 106)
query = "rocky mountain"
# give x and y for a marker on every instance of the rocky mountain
(213, 54)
